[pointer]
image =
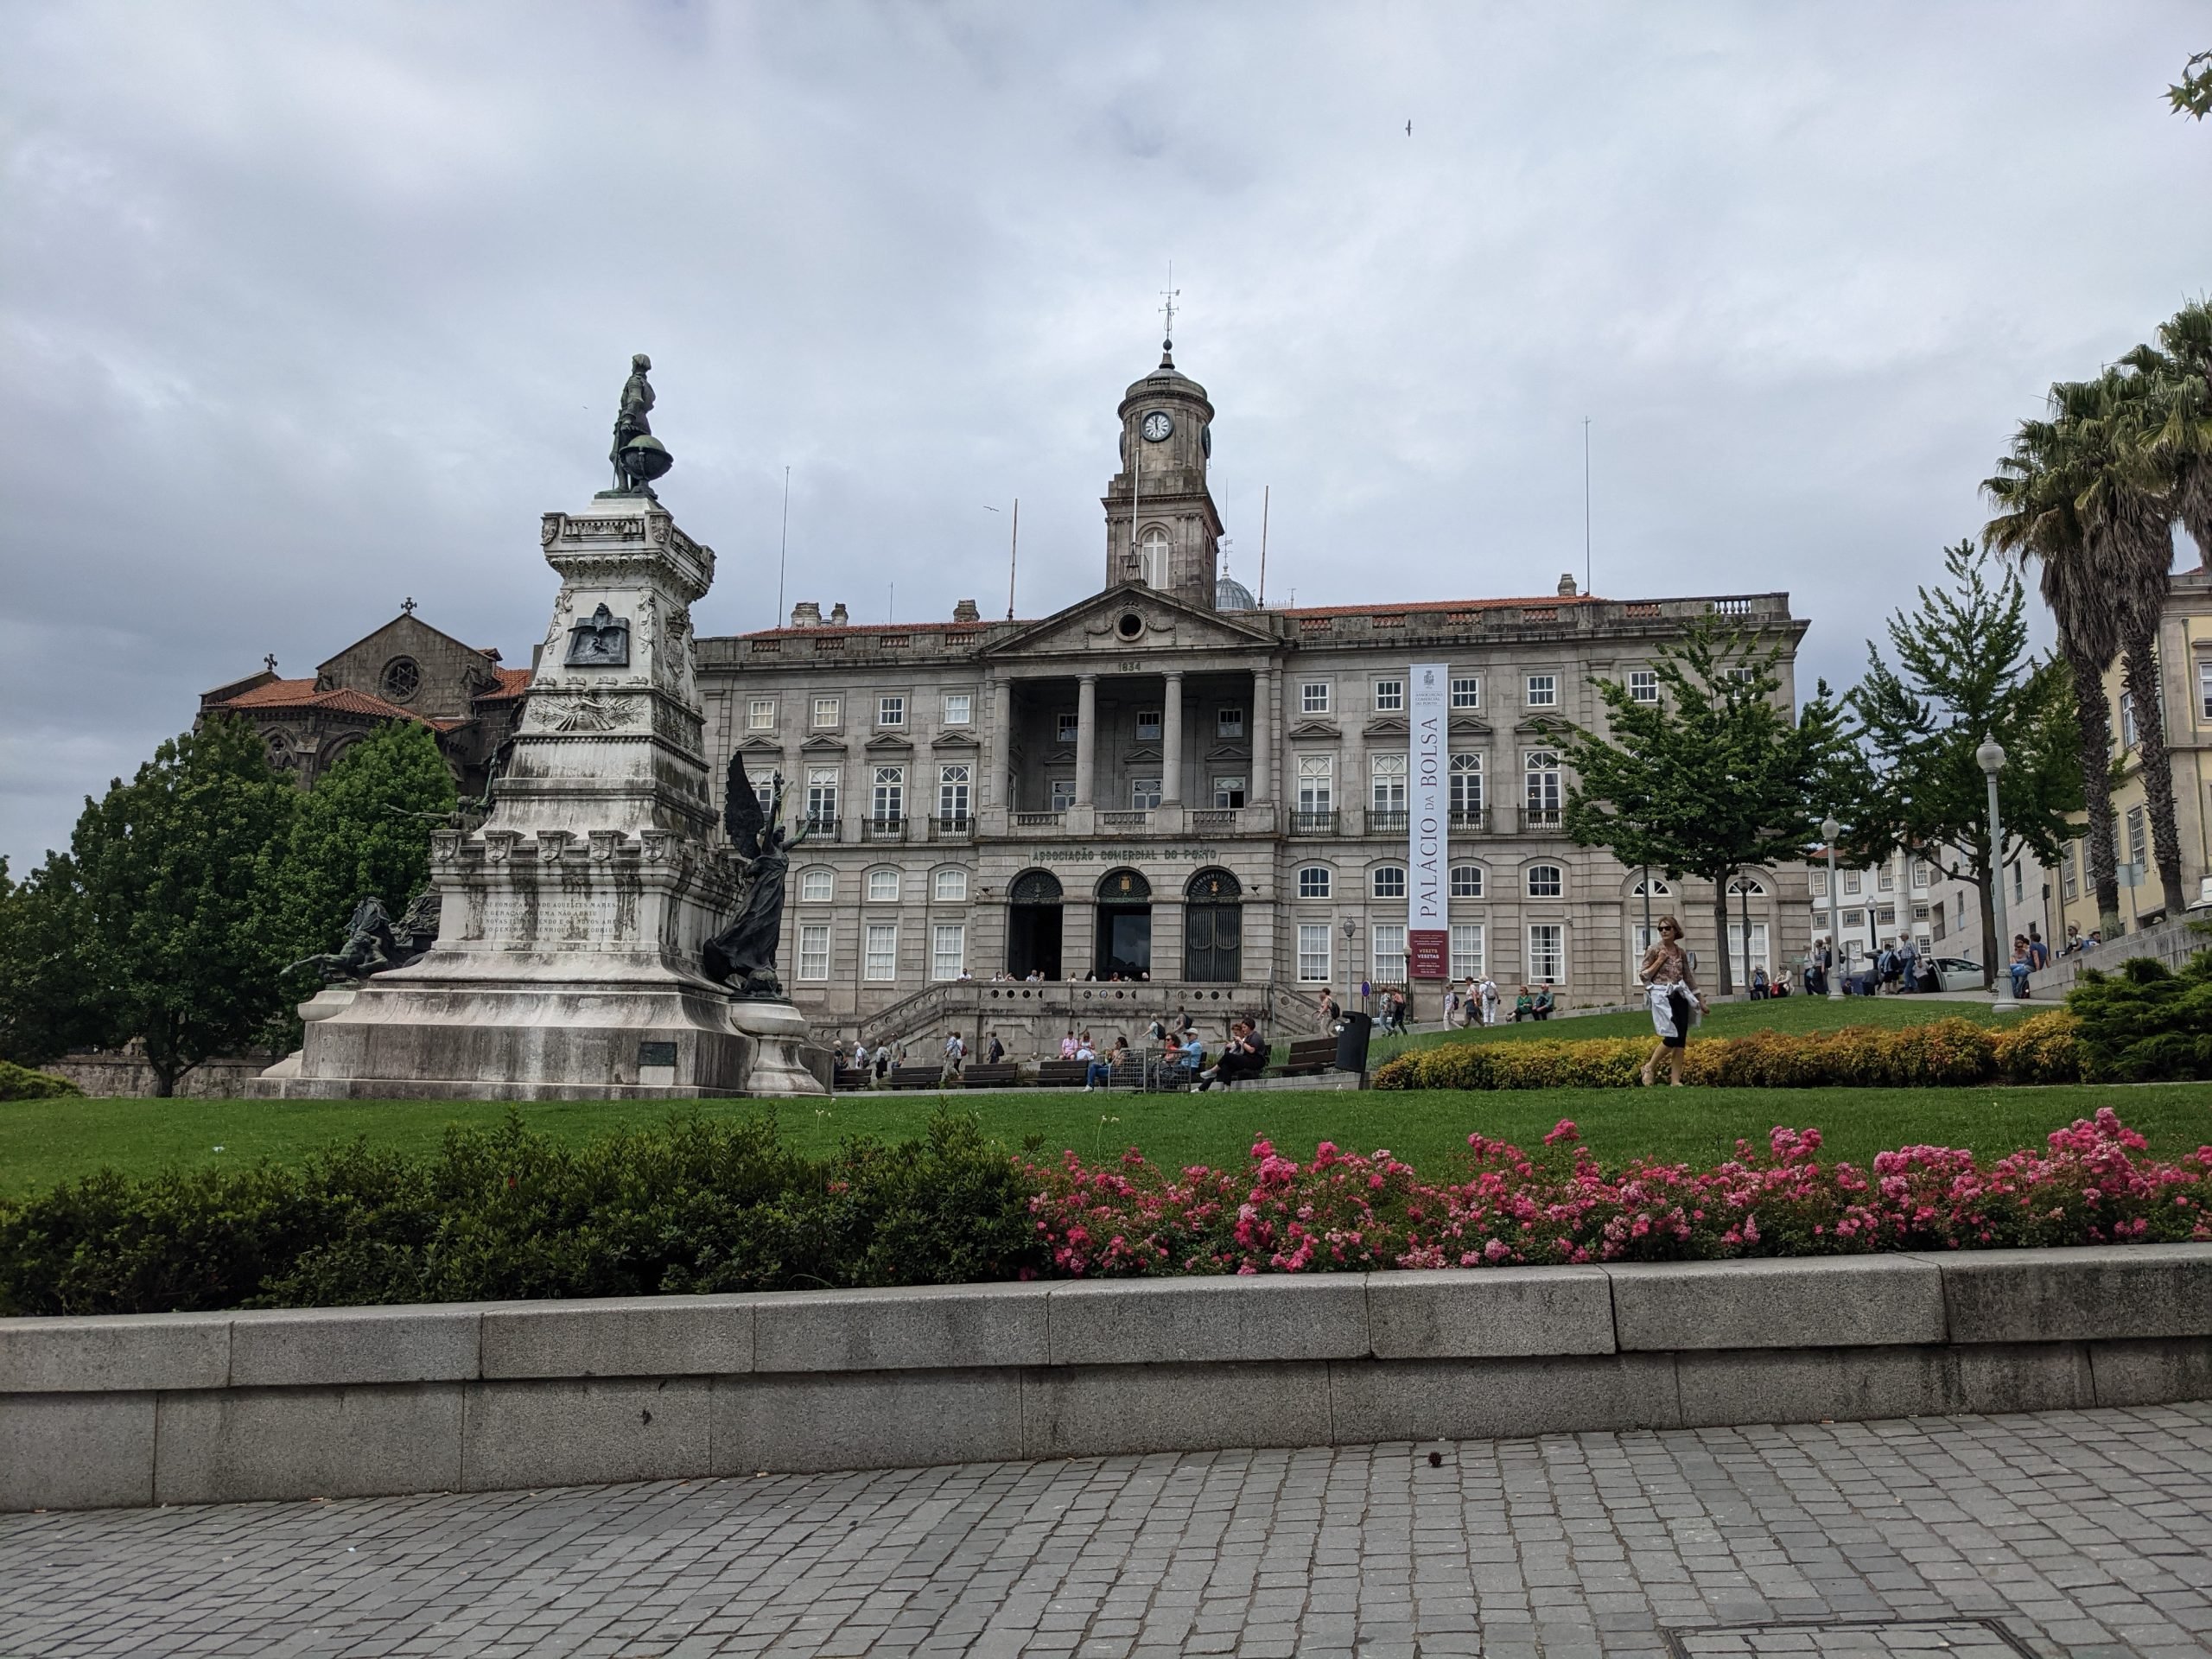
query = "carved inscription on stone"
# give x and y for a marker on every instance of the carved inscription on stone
(589, 712)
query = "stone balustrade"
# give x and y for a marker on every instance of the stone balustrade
(172, 1408)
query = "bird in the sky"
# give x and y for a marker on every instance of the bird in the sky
(1410, 129)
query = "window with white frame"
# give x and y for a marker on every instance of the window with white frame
(891, 711)
(880, 961)
(1314, 953)
(818, 887)
(828, 711)
(951, 887)
(1063, 793)
(2127, 720)
(1885, 879)
(1641, 938)
(1387, 780)
(2135, 837)
(1749, 885)
(1854, 918)
(1313, 882)
(1148, 723)
(1542, 691)
(883, 886)
(1547, 952)
(1743, 676)
(1467, 880)
(948, 949)
(959, 707)
(1545, 881)
(1152, 557)
(1464, 775)
(759, 714)
(1313, 697)
(1852, 882)
(1466, 690)
(814, 951)
(764, 791)
(1317, 775)
(1643, 686)
(1389, 696)
(1650, 888)
(1067, 728)
(1228, 792)
(1922, 875)
(953, 782)
(2070, 881)
(887, 795)
(1758, 957)
(1540, 784)
(822, 795)
(1389, 951)
(1144, 793)
(1885, 916)
(1820, 884)
(1388, 882)
(1466, 949)
(2019, 885)
(1229, 722)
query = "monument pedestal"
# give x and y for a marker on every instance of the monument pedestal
(570, 925)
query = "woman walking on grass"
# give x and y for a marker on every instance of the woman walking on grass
(1671, 989)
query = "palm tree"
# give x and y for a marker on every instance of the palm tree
(2174, 442)
(2038, 520)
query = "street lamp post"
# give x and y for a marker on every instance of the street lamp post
(1829, 830)
(1351, 932)
(1991, 758)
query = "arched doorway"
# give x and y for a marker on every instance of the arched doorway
(1213, 928)
(1124, 930)
(1033, 925)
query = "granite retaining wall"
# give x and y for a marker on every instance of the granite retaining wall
(320, 1402)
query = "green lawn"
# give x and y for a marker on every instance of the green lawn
(44, 1141)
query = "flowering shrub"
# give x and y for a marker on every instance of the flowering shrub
(1347, 1212)
(1944, 1052)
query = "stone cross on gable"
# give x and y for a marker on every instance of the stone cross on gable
(270, 660)
(407, 606)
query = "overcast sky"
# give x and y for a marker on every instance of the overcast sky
(305, 309)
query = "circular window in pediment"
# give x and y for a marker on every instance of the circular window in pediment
(403, 678)
(1128, 625)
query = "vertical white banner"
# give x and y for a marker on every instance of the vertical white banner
(1428, 922)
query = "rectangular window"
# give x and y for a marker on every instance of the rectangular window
(1229, 722)
(1885, 916)
(818, 887)
(891, 711)
(1387, 776)
(1885, 879)
(959, 707)
(1642, 685)
(1467, 880)
(1316, 782)
(2126, 719)
(1228, 792)
(1466, 949)
(1390, 952)
(1546, 881)
(821, 796)
(1148, 722)
(1543, 691)
(1313, 697)
(828, 711)
(814, 951)
(1820, 884)
(952, 886)
(887, 805)
(1313, 882)
(2019, 885)
(759, 714)
(1923, 873)
(1390, 882)
(1851, 881)
(1466, 778)
(1063, 794)
(1854, 918)
(1314, 953)
(1758, 949)
(881, 962)
(883, 886)
(952, 786)
(1742, 675)
(1067, 727)
(1540, 797)
(1144, 793)
(1547, 953)
(2135, 839)
(1920, 912)
(1389, 696)
(948, 949)
(1467, 691)
(2068, 873)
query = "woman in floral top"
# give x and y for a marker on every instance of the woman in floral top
(1671, 989)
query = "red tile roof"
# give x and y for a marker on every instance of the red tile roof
(302, 694)
(513, 683)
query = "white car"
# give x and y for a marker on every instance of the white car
(1957, 974)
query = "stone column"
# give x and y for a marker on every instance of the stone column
(1086, 735)
(998, 692)
(1171, 742)
(1264, 734)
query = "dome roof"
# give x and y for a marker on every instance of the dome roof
(1231, 594)
(1166, 377)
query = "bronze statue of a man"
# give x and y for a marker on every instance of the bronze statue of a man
(632, 423)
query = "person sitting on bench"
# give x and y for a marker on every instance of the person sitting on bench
(1245, 1057)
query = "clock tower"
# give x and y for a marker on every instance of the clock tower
(1162, 528)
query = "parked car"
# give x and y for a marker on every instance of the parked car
(1958, 974)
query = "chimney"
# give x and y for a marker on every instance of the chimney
(1566, 584)
(839, 617)
(806, 615)
(965, 611)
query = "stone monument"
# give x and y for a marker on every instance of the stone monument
(572, 923)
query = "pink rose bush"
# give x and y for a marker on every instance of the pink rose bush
(1343, 1212)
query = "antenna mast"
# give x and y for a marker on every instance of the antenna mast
(783, 549)
(1267, 496)
(1585, 503)
(1012, 553)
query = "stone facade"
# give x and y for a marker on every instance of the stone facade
(1161, 778)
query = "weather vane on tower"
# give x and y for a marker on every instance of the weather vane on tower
(1168, 294)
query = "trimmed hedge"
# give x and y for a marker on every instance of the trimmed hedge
(2145, 1023)
(20, 1083)
(1942, 1053)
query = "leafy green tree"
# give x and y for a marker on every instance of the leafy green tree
(168, 897)
(49, 1001)
(356, 836)
(1964, 675)
(1714, 778)
(2192, 94)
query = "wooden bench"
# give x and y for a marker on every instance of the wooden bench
(983, 1075)
(1063, 1074)
(1308, 1055)
(914, 1076)
(847, 1079)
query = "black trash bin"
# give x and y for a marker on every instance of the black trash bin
(1351, 1041)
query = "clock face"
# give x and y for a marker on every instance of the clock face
(1157, 426)
(1205, 440)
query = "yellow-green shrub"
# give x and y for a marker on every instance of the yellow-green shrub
(2044, 1048)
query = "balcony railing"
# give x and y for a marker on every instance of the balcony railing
(954, 826)
(1137, 819)
(824, 824)
(1207, 820)
(1388, 821)
(1541, 817)
(885, 826)
(1471, 820)
(1052, 820)
(1306, 821)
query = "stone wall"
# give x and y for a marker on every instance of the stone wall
(123, 1072)
(2171, 943)
(179, 1409)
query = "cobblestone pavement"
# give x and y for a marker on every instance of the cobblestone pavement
(2079, 1533)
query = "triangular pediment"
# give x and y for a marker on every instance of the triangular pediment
(1145, 752)
(819, 744)
(955, 739)
(1387, 725)
(761, 741)
(889, 743)
(1542, 726)
(1098, 626)
(1315, 728)
(1229, 751)
(1470, 725)
(406, 634)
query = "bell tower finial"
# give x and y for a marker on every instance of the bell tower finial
(1167, 310)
